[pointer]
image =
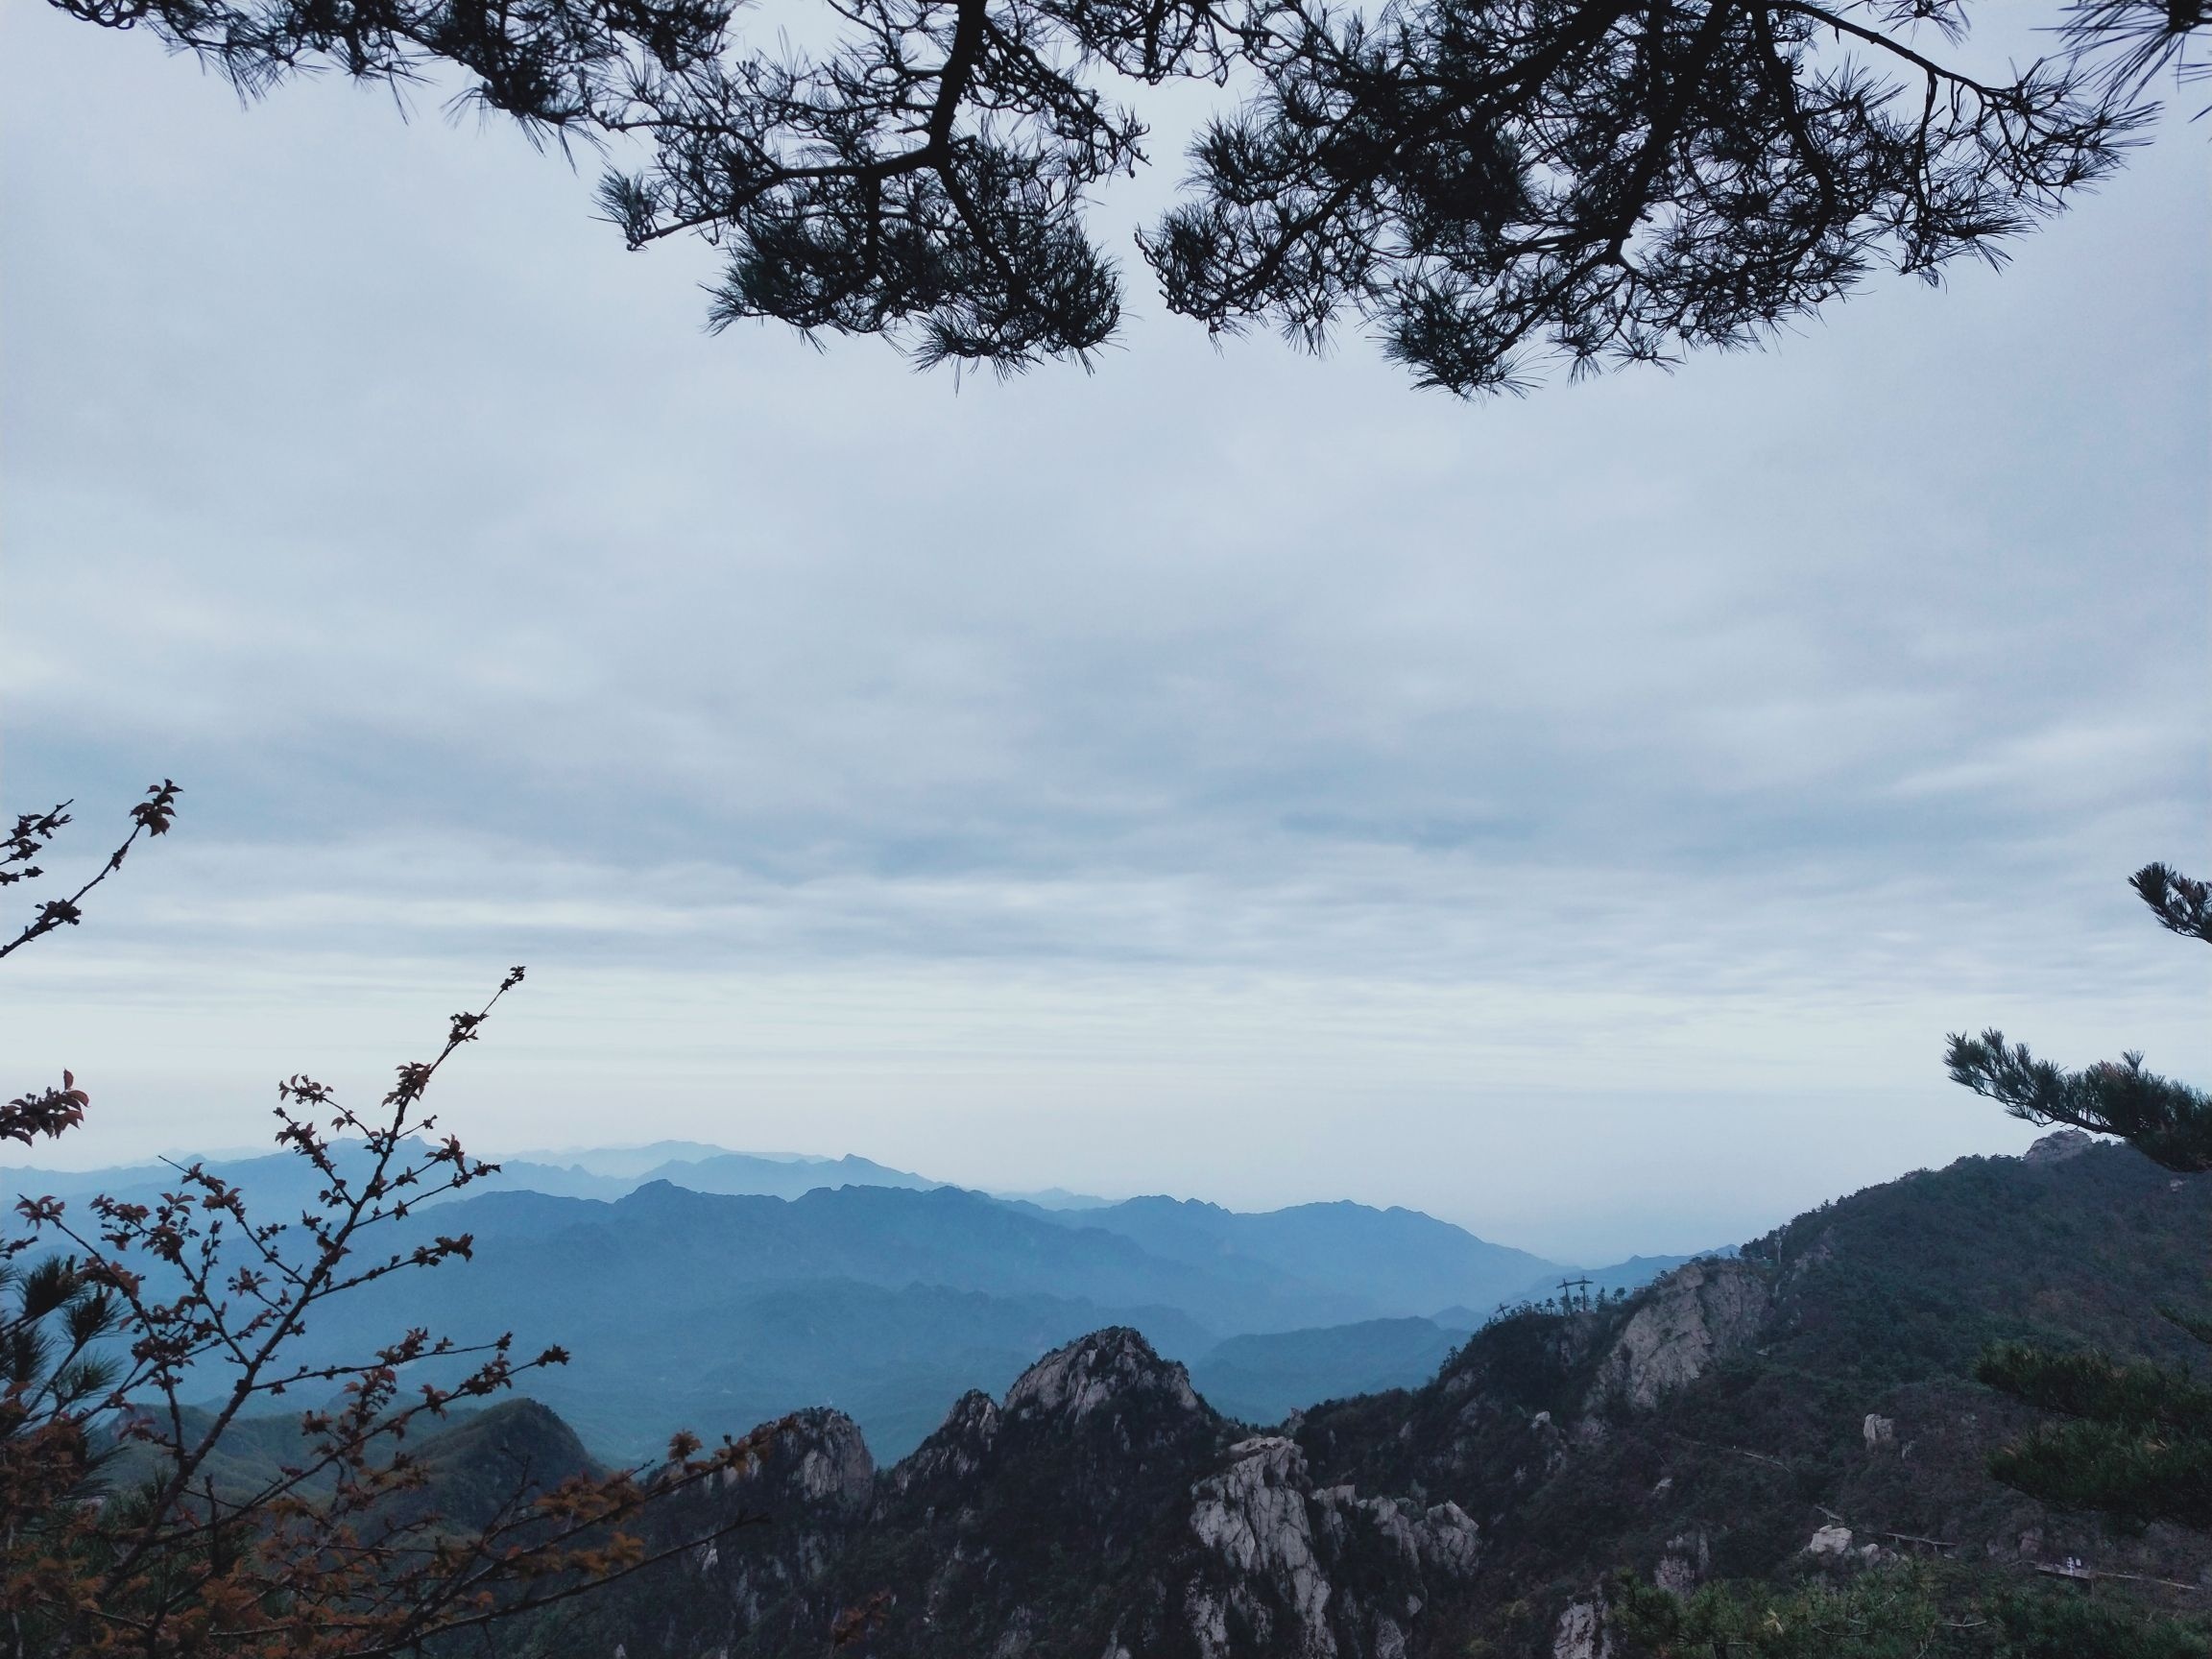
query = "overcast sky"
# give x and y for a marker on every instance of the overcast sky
(1230, 774)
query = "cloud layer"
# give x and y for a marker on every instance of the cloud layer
(1229, 773)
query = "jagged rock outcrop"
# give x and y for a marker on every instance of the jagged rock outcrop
(1253, 1525)
(820, 1458)
(1687, 1560)
(1705, 1312)
(1112, 1368)
(1315, 1575)
(1021, 1526)
(1581, 1633)
(2059, 1145)
(958, 1448)
(1102, 1509)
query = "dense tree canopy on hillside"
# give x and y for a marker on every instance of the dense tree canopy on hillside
(1482, 182)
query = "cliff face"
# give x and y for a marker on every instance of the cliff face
(1693, 1318)
(1278, 1566)
(1711, 1427)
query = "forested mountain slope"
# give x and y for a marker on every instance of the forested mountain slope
(1813, 1392)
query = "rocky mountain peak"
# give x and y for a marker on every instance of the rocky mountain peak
(958, 1447)
(2059, 1145)
(1111, 1367)
(1318, 1574)
(818, 1460)
(974, 1420)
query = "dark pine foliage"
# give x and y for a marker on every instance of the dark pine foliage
(1907, 1613)
(2131, 1440)
(1615, 181)
(1480, 181)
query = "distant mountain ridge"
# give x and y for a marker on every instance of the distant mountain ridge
(711, 1170)
(605, 1173)
(704, 1289)
(1400, 1262)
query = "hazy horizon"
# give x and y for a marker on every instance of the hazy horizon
(1601, 1231)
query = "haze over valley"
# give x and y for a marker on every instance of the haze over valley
(696, 1287)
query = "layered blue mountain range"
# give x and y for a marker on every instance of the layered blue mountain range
(689, 1299)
